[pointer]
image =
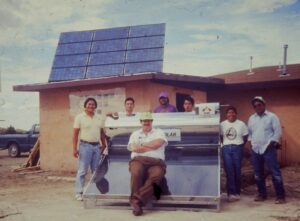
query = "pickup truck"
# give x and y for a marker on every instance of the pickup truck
(19, 143)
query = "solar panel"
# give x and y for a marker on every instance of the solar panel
(109, 45)
(131, 68)
(76, 48)
(70, 61)
(64, 74)
(145, 42)
(112, 33)
(109, 52)
(147, 30)
(155, 54)
(76, 36)
(104, 70)
(107, 58)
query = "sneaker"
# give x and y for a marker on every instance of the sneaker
(233, 198)
(237, 197)
(78, 197)
(260, 198)
(280, 200)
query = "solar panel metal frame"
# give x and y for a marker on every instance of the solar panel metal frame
(133, 49)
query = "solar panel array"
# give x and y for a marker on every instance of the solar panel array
(109, 52)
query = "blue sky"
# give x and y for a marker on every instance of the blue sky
(203, 37)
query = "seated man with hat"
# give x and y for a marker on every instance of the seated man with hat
(147, 165)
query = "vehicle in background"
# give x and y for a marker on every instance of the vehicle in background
(20, 143)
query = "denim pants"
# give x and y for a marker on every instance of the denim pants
(270, 158)
(232, 158)
(89, 156)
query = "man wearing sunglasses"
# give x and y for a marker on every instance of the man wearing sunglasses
(264, 134)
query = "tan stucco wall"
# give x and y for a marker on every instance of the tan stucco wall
(285, 102)
(57, 122)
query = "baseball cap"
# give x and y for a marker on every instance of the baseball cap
(146, 116)
(163, 94)
(258, 98)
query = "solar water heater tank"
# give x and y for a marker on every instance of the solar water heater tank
(192, 179)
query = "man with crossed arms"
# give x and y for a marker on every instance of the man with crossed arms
(147, 165)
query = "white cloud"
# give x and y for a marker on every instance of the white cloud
(23, 75)
(202, 67)
(240, 39)
(46, 19)
(87, 23)
(19, 109)
(206, 37)
(259, 6)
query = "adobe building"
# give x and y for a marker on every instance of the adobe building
(281, 92)
(58, 104)
(61, 101)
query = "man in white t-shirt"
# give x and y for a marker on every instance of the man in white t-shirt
(233, 136)
(147, 166)
(88, 129)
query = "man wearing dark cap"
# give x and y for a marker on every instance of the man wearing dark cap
(164, 106)
(147, 165)
(264, 135)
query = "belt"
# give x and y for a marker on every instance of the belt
(91, 143)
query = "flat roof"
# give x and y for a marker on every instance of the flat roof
(262, 77)
(187, 81)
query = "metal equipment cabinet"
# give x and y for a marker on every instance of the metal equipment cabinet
(192, 180)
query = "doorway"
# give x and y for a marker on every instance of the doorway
(179, 101)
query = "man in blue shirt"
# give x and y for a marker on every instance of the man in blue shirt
(264, 134)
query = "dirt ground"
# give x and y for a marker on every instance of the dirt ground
(45, 196)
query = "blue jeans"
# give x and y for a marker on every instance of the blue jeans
(232, 157)
(89, 156)
(270, 158)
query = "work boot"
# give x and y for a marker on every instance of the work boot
(233, 198)
(280, 200)
(136, 206)
(260, 198)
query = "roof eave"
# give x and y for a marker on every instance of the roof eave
(79, 83)
(187, 81)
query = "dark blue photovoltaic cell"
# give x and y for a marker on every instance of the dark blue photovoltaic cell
(104, 70)
(112, 33)
(63, 74)
(76, 36)
(143, 67)
(107, 58)
(75, 48)
(146, 42)
(70, 61)
(147, 30)
(145, 55)
(109, 45)
(107, 52)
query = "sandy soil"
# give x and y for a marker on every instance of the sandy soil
(41, 196)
